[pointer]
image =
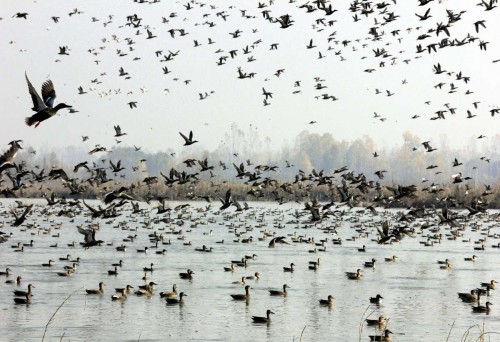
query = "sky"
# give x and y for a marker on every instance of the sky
(99, 43)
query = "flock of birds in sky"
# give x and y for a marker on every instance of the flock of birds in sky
(348, 188)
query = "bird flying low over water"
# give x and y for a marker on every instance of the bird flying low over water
(44, 107)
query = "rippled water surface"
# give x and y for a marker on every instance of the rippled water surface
(419, 298)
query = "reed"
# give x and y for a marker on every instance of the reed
(55, 312)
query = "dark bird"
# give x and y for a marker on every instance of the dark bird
(259, 319)
(20, 219)
(118, 131)
(89, 239)
(188, 141)
(226, 201)
(117, 194)
(44, 108)
(6, 160)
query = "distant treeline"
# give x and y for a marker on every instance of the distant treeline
(284, 175)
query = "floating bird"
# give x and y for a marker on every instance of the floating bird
(259, 319)
(100, 290)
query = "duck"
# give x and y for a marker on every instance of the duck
(49, 264)
(491, 285)
(447, 266)
(119, 297)
(100, 290)
(313, 265)
(392, 259)
(170, 294)
(377, 299)
(43, 106)
(65, 258)
(230, 269)
(25, 300)
(468, 297)
(148, 269)
(354, 275)
(242, 296)
(68, 273)
(113, 272)
(328, 301)
(473, 258)
(370, 264)
(186, 275)
(127, 289)
(259, 319)
(118, 264)
(482, 308)
(18, 281)
(146, 291)
(188, 141)
(289, 269)
(21, 293)
(381, 321)
(278, 292)
(6, 273)
(362, 249)
(253, 277)
(145, 250)
(385, 337)
(162, 252)
(240, 282)
(180, 300)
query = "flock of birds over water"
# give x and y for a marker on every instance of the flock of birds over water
(352, 193)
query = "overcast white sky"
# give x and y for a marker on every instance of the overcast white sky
(32, 45)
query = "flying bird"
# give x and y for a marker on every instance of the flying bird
(43, 106)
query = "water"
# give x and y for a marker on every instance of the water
(419, 298)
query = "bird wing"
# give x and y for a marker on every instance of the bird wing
(48, 93)
(184, 137)
(38, 103)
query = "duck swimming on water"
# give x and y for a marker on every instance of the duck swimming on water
(43, 106)
(259, 319)
(279, 293)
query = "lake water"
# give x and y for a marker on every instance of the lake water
(419, 298)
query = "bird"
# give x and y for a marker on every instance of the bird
(469, 297)
(259, 319)
(376, 300)
(354, 275)
(100, 290)
(120, 297)
(283, 293)
(188, 141)
(25, 300)
(381, 321)
(6, 159)
(186, 275)
(118, 131)
(44, 107)
(19, 220)
(89, 240)
(482, 308)
(328, 301)
(21, 293)
(173, 300)
(245, 296)
(384, 337)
